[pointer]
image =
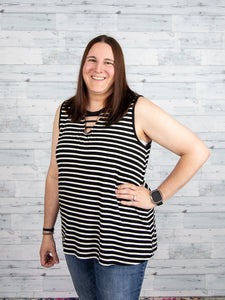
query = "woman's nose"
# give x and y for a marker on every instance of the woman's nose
(98, 67)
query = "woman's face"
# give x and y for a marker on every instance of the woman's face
(98, 70)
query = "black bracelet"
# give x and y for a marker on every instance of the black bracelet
(49, 229)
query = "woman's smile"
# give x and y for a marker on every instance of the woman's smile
(97, 78)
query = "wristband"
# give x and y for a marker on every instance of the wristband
(49, 229)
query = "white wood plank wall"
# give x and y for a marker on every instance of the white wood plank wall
(175, 56)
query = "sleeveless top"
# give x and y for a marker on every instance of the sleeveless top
(91, 165)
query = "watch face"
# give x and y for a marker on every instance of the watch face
(156, 196)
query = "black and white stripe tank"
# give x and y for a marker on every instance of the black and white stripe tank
(91, 166)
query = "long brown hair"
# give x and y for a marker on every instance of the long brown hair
(118, 102)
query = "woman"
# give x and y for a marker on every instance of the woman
(100, 148)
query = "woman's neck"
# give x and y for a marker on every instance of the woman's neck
(95, 103)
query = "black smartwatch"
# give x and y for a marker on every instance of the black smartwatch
(156, 197)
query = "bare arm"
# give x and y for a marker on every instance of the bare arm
(152, 123)
(48, 253)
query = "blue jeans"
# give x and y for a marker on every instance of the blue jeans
(93, 281)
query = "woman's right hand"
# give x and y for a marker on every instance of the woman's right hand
(48, 254)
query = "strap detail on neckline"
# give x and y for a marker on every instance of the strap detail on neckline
(94, 113)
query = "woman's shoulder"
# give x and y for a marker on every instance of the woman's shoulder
(144, 105)
(148, 113)
(64, 107)
(143, 101)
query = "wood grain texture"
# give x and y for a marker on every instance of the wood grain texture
(175, 56)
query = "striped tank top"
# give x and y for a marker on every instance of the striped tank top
(91, 166)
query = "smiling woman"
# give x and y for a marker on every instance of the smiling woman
(110, 66)
(98, 74)
(100, 148)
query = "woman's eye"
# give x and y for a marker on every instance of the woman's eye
(108, 63)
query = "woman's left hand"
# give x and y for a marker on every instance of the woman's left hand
(134, 195)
